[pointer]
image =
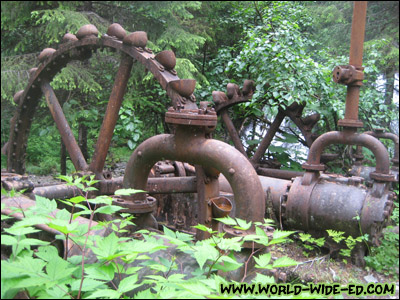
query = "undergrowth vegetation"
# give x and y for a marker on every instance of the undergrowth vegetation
(109, 265)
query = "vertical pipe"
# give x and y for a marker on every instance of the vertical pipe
(111, 115)
(356, 56)
(357, 33)
(62, 125)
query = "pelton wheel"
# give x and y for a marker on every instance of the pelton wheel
(80, 47)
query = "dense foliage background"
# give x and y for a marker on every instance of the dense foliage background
(288, 48)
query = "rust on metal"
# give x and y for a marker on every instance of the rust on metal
(349, 137)
(352, 75)
(111, 116)
(278, 173)
(79, 49)
(63, 127)
(190, 145)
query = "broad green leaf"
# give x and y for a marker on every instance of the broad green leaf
(243, 225)
(22, 266)
(263, 279)
(101, 200)
(55, 265)
(47, 253)
(55, 292)
(107, 247)
(100, 272)
(88, 285)
(44, 205)
(30, 242)
(227, 264)
(20, 230)
(263, 260)
(227, 220)
(77, 199)
(129, 283)
(282, 262)
(204, 252)
(203, 228)
(109, 209)
(63, 214)
(8, 240)
(279, 234)
(31, 282)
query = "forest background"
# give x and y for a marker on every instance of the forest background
(288, 48)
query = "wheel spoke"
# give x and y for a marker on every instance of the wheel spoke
(111, 115)
(66, 133)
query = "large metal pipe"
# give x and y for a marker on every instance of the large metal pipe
(272, 187)
(348, 138)
(190, 145)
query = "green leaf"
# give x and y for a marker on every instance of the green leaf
(88, 285)
(22, 266)
(20, 230)
(77, 199)
(107, 247)
(127, 284)
(54, 267)
(109, 209)
(263, 260)
(243, 225)
(8, 240)
(227, 264)
(227, 220)
(30, 242)
(100, 272)
(203, 253)
(282, 262)
(263, 279)
(47, 253)
(279, 234)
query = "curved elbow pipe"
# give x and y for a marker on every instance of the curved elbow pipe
(389, 136)
(338, 137)
(194, 148)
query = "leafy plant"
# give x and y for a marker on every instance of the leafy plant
(311, 243)
(34, 265)
(385, 258)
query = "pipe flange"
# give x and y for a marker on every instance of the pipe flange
(313, 167)
(136, 206)
(350, 123)
(192, 117)
(382, 177)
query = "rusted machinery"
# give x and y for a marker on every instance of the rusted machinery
(309, 201)
(191, 141)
